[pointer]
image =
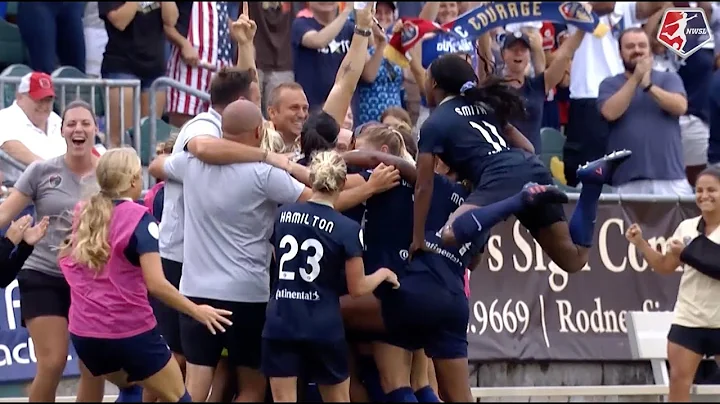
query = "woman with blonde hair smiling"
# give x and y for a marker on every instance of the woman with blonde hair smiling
(695, 331)
(111, 262)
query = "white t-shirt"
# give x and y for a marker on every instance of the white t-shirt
(599, 58)
(173, 216)
(16, 126)
(696, 304)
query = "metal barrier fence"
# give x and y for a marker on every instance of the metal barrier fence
(91, 90)
(167, 82)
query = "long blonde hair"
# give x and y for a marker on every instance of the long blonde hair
(115, 172)
(271, 141)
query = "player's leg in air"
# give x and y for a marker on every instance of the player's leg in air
(566, 243)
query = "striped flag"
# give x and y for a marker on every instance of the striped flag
(98, 150)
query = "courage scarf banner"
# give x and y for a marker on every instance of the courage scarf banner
(492, 15)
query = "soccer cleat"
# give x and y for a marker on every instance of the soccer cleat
(536, 194)
(601, 170)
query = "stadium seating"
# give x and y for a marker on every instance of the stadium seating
(15, 70)
(12, 49)
(73, 92)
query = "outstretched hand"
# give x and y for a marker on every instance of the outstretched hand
(243, 29)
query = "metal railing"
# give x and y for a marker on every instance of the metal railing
(163, 82)
(95, 87)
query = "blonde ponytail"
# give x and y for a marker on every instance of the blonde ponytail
(91, 246)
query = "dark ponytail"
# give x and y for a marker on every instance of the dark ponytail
(453, 76)
(318, 134)
(506, 101)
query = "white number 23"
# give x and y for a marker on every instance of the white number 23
(313, 261)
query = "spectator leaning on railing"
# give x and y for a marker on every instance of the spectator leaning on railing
(642, 107)
(30, 129)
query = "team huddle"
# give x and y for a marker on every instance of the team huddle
(391, 279)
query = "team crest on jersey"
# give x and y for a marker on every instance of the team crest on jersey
(684, 30)
(574, 11)
(55, 180)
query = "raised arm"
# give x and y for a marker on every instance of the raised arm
(371, 159)
(561, 60)
(351, 68)
(243, 32)
(320, 39)
(662, 263)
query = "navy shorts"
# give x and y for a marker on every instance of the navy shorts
(502, 183)
(702, 341)
(421, 315)
(168, 319)
(140, 356)
(324, 363)
(242, 339)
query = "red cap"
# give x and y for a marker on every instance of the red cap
(37, 85)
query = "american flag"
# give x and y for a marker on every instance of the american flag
(224, 45)
(209, 34)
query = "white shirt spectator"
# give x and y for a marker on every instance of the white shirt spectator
(16, 126)
(598, 58)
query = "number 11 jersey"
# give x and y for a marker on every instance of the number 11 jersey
(312, 243)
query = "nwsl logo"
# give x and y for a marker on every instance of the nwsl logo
(684, 30)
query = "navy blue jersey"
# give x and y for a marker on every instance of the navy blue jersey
(313, 242)
(355, 213)
(468, 138)
(388, 227)
(144, 239)
(447, 265)
(158, 203)
(447, 196)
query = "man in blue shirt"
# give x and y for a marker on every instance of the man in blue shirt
(319, 45)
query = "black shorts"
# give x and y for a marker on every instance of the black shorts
(42, 295)
(320, 363)
(168, 319)
(503, 183)
(703, 341)
(140, 356)
(242, 339)
(437, 325)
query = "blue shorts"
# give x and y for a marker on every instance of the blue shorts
(322, 363)
(502, 183)
(145, 82)
(140, 356)
(421, 315)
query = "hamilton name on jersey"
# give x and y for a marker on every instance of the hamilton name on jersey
(308, 220)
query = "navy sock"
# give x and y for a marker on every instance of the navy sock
(474, 224)
(401, 395)
(582, 222)
(370, 377)
(132, 394)
(185, 398)
(426, 395)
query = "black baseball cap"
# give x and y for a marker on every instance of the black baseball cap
(513, 37)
